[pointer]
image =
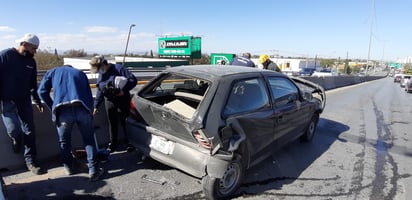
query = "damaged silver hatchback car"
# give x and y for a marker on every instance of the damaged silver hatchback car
(214, 122)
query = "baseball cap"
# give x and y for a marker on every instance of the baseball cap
(96, 60)
(29, 38)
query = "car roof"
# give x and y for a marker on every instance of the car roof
(208, 71)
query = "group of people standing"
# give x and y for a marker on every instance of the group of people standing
(71, 103)
(245, 60)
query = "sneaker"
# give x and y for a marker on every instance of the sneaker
(141, 159)
(130, 148)
(102, 155)
(69, 170)
(34, 168)
(16, 145)
(96, 176)
(111, 148)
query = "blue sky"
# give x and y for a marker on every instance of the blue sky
(323, 28)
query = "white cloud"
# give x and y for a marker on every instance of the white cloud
(100, 29)
(143, 35)
(101, 43)
(168, 34)
(6, 29)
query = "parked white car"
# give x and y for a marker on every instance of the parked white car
(397, 78)
(325, 72)
(404, 80)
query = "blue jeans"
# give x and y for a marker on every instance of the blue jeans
(18, 121)
(67, 117)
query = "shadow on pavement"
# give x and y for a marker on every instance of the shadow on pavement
(282, 168)
(55, 184)
(286, 165)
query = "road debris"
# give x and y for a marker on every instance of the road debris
(160, 182)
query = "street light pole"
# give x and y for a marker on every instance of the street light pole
(127, 42)
(370, 37)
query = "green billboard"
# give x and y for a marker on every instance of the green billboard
(180, 47)
(395, 65)
(221, 58)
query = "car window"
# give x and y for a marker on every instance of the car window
(180, 83)
(283, 91)
(245, 96)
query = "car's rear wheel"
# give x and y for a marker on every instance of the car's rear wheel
(310, 130)
(222, 188)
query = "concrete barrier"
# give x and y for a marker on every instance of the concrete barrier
(47, 139)
(331, 82)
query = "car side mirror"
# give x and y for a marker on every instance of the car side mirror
(292, 98)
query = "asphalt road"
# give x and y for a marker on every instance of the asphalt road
(361, 150)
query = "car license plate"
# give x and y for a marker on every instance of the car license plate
(161, 144)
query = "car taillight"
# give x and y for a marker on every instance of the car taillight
(133, 110)
(202, 139)
(132, 106)
(134, 114)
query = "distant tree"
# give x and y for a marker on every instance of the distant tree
(74, 53)
(407, 69)
(46, 60)
(205, 59)
(327, 62)
(355, 69)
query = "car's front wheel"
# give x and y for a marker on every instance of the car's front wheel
(223, 188)
(310, 130)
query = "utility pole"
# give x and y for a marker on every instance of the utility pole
(370, 36)
(346, 63)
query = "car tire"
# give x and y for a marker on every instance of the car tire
(310, 130)
(223, 188)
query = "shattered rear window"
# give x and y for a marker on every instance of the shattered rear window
(179, 93)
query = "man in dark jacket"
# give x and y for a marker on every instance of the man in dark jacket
(114, 84)
(72, 104)
(243, 60)
(18, 83)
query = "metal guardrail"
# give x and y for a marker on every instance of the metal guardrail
(141, 79)
(40, 73)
